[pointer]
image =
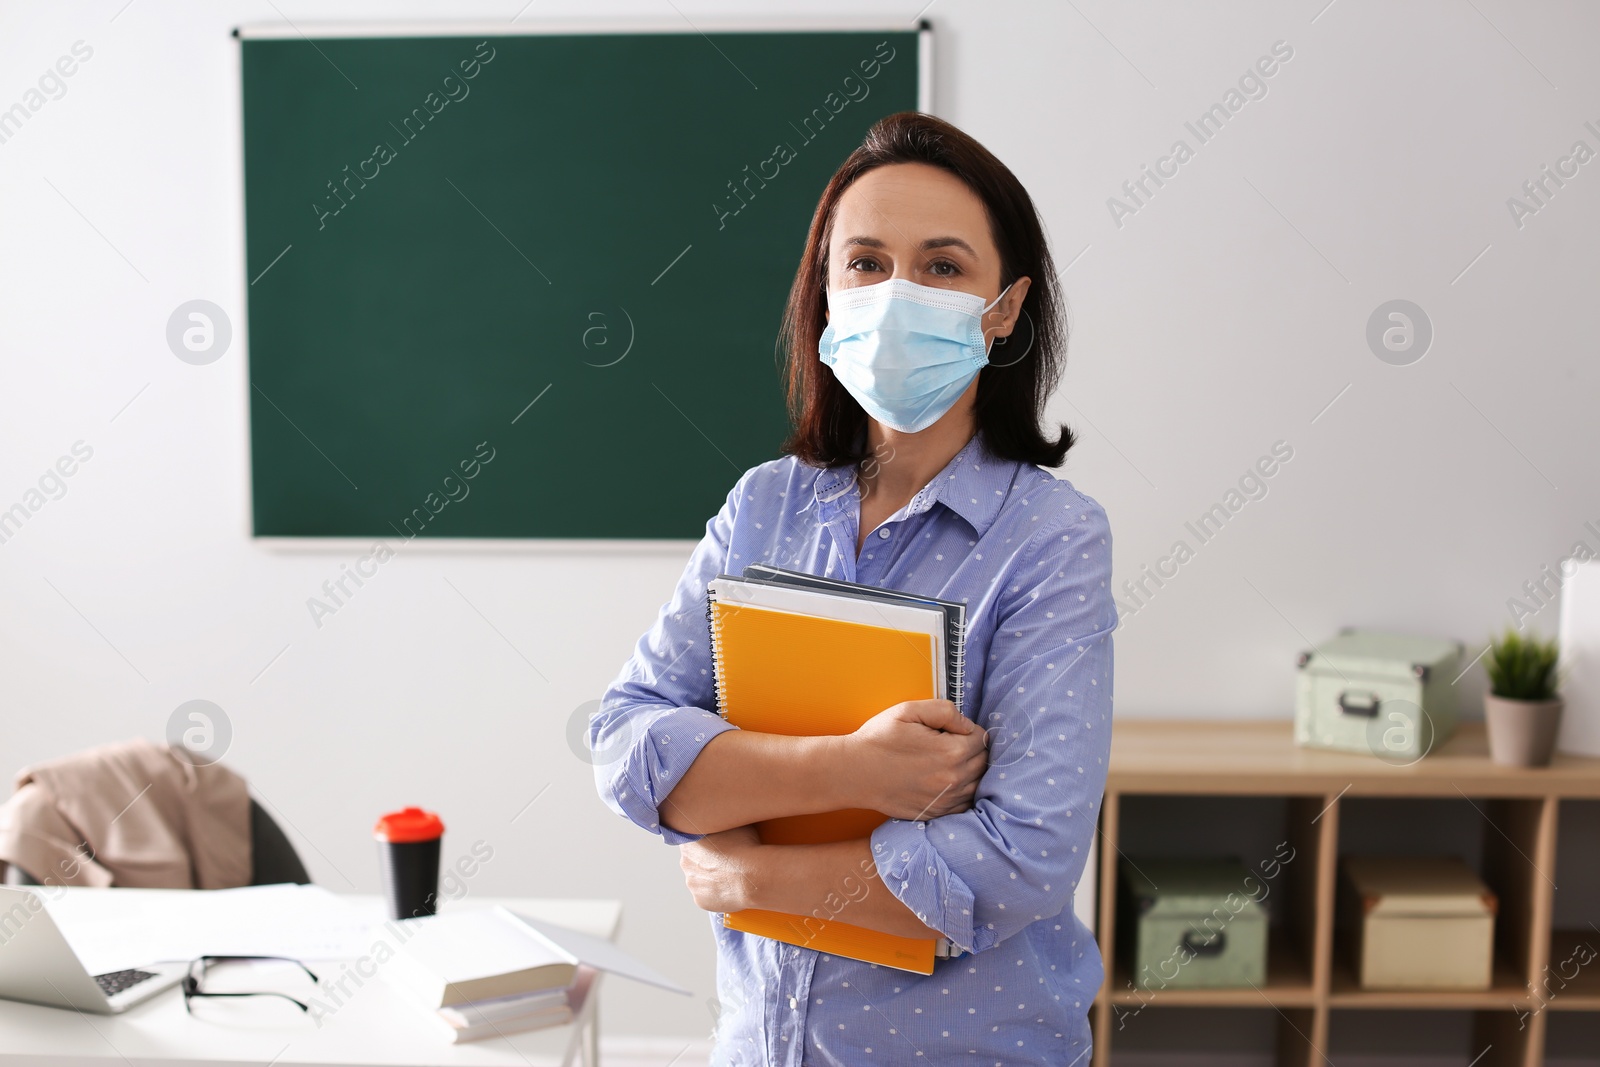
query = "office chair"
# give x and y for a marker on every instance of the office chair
(272, 857)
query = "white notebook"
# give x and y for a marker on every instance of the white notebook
(464, 956)
(475, 955)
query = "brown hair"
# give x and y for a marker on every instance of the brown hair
(828, 423)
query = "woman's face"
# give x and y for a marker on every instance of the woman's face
(922, 224)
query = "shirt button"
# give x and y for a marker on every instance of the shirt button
(884, 533)
(793, 1004)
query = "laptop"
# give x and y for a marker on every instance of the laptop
(38, 966)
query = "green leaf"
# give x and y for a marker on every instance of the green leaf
(1522, 667)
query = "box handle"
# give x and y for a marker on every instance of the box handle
(1369, 709)
(1213, 947)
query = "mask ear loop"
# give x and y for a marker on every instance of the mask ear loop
(997, 299)
(998, 340)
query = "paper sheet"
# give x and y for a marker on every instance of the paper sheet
(602, 955)
(111, 929)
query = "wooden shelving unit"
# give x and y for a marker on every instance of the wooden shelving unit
(1308, 979)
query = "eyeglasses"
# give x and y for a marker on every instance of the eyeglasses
(199, 967)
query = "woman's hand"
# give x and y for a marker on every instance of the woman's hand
(917, 760)
(720, 869)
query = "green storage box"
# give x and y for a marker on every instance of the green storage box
(1386, 694)
(1192, 923)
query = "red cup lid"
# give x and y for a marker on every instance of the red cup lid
(407, 826)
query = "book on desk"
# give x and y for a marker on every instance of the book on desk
(491, 972)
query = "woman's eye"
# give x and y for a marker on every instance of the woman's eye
(944, 268)
(863, 265)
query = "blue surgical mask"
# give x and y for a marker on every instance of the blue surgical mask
(905, 351)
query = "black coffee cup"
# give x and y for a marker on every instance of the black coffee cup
(408, 851)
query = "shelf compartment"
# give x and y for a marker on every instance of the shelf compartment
(1483, 1038)
(1573, 1039)
(1519, 865)
(1567, 983)
(1568, 950)
(1279, 842)
(1509, 842)
(1201, 1035)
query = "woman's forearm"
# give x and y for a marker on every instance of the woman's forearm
(743, 777)
(837, 881)
(919, 759)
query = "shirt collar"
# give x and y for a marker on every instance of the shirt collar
(835, 490)
(973, 485)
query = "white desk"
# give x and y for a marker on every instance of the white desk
(374, 1027)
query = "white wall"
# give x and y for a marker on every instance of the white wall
(1220, 318)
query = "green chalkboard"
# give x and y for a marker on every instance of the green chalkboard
(554, 262)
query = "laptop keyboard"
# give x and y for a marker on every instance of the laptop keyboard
(117, 981)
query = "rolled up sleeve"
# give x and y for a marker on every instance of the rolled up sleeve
(660, 712)
(1015, 857)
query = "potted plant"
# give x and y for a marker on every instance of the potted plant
(1521, 708)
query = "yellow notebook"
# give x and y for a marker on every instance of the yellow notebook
(797, 662)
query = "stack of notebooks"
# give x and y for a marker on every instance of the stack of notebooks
(798, 654)
(491, 972)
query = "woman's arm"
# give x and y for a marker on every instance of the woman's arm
(982, 875)
(917, 760)
(741, 777)
(732, 871)
(659, 714)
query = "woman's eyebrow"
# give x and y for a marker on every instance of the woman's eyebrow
(948, 242)
(927, 246)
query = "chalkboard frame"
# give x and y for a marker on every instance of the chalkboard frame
(534, 544)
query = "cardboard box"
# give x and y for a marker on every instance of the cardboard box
(1417, 922)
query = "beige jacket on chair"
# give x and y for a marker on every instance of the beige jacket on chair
(150, 818)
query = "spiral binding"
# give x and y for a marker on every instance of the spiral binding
(718, 684)
(958, 667)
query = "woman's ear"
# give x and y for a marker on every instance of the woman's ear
(1002, 318)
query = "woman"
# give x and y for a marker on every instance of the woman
(914, 465)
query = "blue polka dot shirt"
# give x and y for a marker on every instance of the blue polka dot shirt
(1030, 556)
